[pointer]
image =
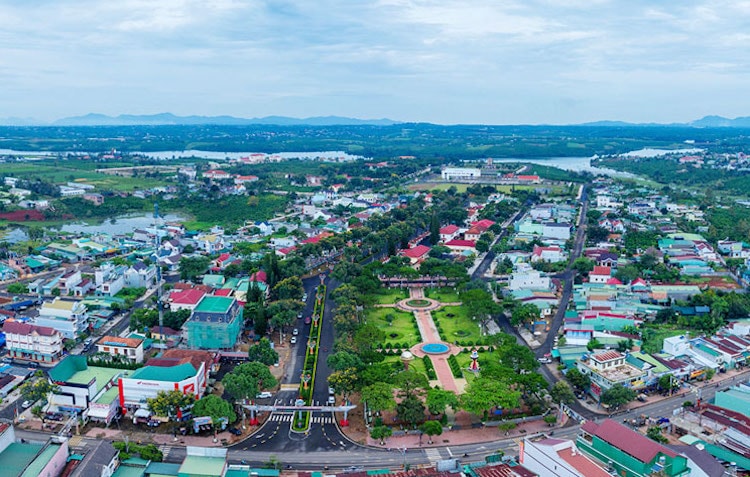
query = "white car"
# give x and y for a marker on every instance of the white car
(263, 395)
(293, 340)
(295, 332)
(27, 404)
(331, 400)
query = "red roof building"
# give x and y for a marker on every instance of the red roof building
(483, 224)
(185, 299)
(458, 245)
(416, 254)
(627, 440)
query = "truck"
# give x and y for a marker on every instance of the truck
(18, 305)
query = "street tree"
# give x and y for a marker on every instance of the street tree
(431, 428)
(381, 433)
(289, 289)
(410, 410)
(654, 433)
(411, 383)
(550, 419)
(191, 267)
(263, 353)
(344, 381)
(617, 395)
(247, 379)
(379, 397)
(577, 379)
(37, 390)
(526, 313)
(214, 406)
(169, 403)
(482, 394)
(437, 400)
(561, 393)
(583, 265)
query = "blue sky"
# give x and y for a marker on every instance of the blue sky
(442, 61)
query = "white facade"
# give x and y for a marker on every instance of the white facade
(33, 343)
(556, 231)
(529, 279)
(130, 348)
(68, 317)
(461, 173)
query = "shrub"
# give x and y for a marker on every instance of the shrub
(429, 368)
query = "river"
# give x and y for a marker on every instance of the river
(574, 164)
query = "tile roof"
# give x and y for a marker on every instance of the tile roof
(601, 270)
(117, 341)
(449, 229)
(606, 356)
(461, 243)
(627, 440)
(16, 327)
(416, 252)
(189, 296)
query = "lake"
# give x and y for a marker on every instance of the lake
(119, 225)
(574, 164)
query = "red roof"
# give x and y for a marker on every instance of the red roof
(18, 328)
(627, 440)
(449, 229)
(287, 250)
(606, 356)
(416, 252)
(315, 239)
(460, 243)
(223, 257)
(600, 270)
(527, 178)
(483, 224)
(190, 296)
(259, 276)
(474, 231)
(223, 292)
(614, 281)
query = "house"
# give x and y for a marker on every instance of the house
(176, 369)
(129, 348)
(459, 246)
(110, 279)
(80, 385)
(28, 342)
(69, 281)
(448, 233)
(460, 173)
(215, 323)
(416, 255)
(527, 278)
(473, 234)
(100, 459)
(600, 274)
(69, 317)
(551, 254)
(630, 453)
(558, 458)
(186, 299)
(210, 243)
(21, 458)
(217, 174)
(94, 198)
(245, 179)
(165, 333)
(140, 275)
(608, 368)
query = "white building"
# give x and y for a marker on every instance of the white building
(109, 279)
(67, 191)
(33, 343)
(130, 348)
(69, 317)
(526, 278)
(553, 230)
(460, 173)
(140, 275)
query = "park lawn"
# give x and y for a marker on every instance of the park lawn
(401, 331)
(391, 296)
(459, 327)
(443, 295)
(416, 364)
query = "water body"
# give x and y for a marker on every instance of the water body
(574, 164)
(217, 155)
(124, 224)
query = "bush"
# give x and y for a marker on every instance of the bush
(455, 367)
(429, 368)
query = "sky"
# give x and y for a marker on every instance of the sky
(439, 61)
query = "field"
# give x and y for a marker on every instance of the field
(443, 295)
(81, 172)
(391, 296)
(456, 325)
(401, 330)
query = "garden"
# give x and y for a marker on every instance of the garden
(455, 326)
(400, 328)
(443, 295)
(391, 296)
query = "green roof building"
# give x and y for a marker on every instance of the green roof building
(215, 323)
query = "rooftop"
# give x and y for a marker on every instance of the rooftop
(16, 457)
(214, 304)
(75, 370)
(120, 342)
(627, 440)
(162, 373)
(199, 465)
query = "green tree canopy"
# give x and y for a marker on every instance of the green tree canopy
(263, 353)
(482, 394)
(561, 393)
(437, 400)
(431, 428)
(214, 406)
(167, 403)
(39, 389)
(617, 395)
(191, 267)
(343, 360)
(289, 289)
(379, 396)
(577, 379)
(381, 433)
(410, 410)
(247, 379)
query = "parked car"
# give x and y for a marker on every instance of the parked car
(54, 416)
(295, 332)
(235, 431)
(331, 400)
(263, 395)
(293, 340)
(331, 391)
(27, 404)
(308, 320)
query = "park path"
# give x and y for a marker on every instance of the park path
(430, 334)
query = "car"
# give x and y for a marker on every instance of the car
(299, 315)
(295, 332)
(153, 423)
(331, 391)
(331, 400)
(545, 360)
(235, 431)
(293, 340)
(304, 297)
(54, 416)
(263, 395)
(308, 320)
(27, 404)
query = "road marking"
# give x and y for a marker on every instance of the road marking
(433, 455)
(259, 436)
(450, 453)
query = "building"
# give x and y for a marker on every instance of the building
(19, 458)
(631, 454)
(100, 459)
(69, 317)
(448, 233)
(140, 275)
(80, 386)
(460, 173)
(416, 254)
(600, 274)
(551, 254)
(40, 344)
(526, 278)
(94, 198)
(215, 323)
(129, 348)
(216, 174)
(558, 458)
(186, 299)
(607, 369)
(110, 279)
(177, 369)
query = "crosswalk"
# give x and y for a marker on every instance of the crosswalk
(286, 417)
(433, 455)
(165, 449)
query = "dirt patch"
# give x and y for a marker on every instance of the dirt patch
(23, 216)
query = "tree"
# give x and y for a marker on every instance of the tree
(168, 403)
(245, 380)
(263, 353)
(668, 382)
(37, 390)
(517, 357)
(191, 267)
(289, 289)
(214, 406)
(411, 383)
(482, 394)
(577, 379)
(379, 397)
(18, 288)
(583, 265)
(617, 395)
(410, 410)
(654, 433)
(344, 381)
(434, 230)
(431, 428)
(525, 313)
(438, 400)
(561, 393)
(343, 360)
(550, 419)
(143, 319)
(382, 433)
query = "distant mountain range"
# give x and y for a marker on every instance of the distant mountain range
(94, 119)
